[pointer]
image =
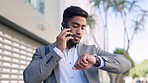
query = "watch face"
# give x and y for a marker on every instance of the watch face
(98, 62)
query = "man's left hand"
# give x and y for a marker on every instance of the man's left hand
(84, 62)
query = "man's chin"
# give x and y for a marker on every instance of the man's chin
(76, 42)
(73, 42)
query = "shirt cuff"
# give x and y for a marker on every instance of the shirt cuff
(102, 62)
(58, 51)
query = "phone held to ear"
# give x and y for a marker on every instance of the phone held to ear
(65, 25)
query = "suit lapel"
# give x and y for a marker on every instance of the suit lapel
(80, 50)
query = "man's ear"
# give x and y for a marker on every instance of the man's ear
(62, 23)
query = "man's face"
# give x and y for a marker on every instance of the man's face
(77, 25)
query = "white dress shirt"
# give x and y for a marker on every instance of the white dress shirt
(67, 74)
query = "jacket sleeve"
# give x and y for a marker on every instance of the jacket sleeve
(41, 66)
(114, 63)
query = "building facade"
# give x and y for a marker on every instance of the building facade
(27, 24)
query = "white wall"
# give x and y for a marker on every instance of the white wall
(52, 13)
(22, 14)
(47, 27)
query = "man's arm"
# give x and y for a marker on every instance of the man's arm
(41, 66)
(115, 63)
(109, 62)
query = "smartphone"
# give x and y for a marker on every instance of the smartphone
(65, 25)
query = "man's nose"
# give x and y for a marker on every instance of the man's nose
(79, 30)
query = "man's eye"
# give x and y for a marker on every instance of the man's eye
(82, 28)
(75, 26)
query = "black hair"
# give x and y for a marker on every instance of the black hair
(72, 11)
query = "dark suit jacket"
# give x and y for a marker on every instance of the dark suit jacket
(43, 67)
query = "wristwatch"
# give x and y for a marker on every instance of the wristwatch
(98, 62)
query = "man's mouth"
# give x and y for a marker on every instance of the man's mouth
(76, 37)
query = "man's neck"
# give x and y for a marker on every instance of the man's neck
(70, 45)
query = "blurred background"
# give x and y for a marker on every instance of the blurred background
(117, 26)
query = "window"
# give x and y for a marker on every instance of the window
(38, 5)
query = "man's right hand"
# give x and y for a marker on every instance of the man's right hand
(62, 39)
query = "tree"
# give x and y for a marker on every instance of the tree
(103, 6)
(118, 78)
(91, 23)
(140, 70)
(123, 8)
(121, 51)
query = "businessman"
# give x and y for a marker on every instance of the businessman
(68, 60)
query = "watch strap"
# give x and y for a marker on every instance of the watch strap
(98, 62)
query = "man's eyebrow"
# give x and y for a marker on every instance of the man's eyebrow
(77, 23)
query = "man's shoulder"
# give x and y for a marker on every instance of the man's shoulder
(46, 46)
(87, 46)
(45, 49)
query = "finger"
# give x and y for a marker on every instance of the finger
(91, 59)
(74, 68)
(68, 38)
(76, 64)
(77, 67)
(64, 31)
(79, 64)
(84, 60)
(83, 65)
(64, 36)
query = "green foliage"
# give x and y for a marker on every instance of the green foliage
(140, 70)
(90, 21)
(122, 51)
(125, 8)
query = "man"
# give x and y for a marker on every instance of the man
(68, 60)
